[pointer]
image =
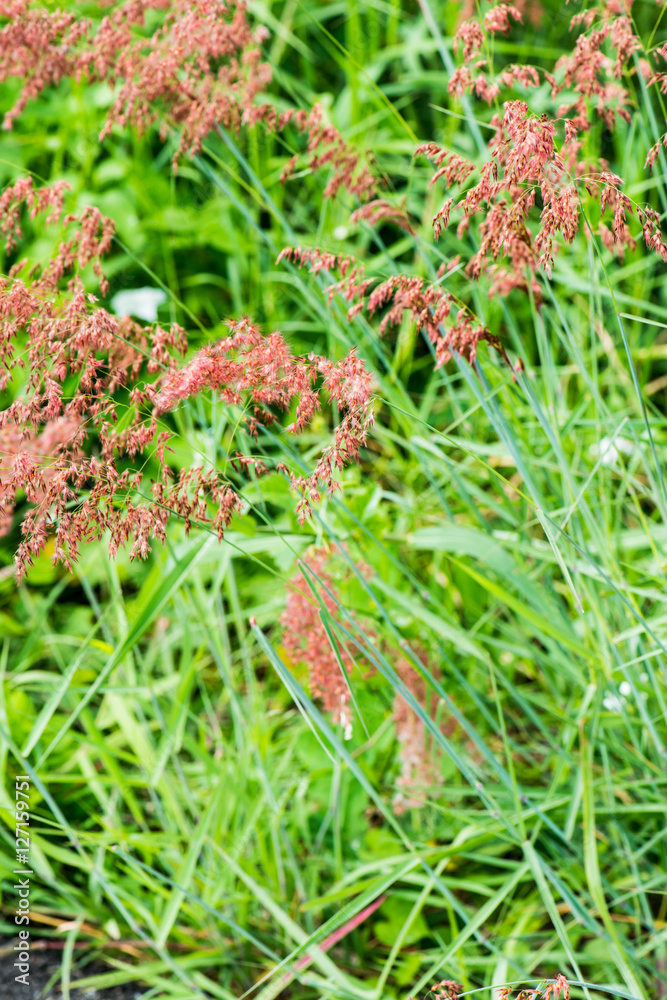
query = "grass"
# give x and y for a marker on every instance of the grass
(198, 823)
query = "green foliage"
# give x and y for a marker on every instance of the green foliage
(188, 795)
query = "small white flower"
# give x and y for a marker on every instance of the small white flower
(610, 449)
(140, 302)
(612, 703)
(340, 233)
(625, 688)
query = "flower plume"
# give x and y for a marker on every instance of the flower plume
(98, 389)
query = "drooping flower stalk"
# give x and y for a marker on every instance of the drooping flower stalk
(307, 641)
(416, 746)
(98, 388)
(448, 324)
(198, 67)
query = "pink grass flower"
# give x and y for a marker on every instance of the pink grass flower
(79, 493)
(416, 747)
(306, 640)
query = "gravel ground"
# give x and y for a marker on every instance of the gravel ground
(44, 964)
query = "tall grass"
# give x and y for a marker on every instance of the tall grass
(199, 823)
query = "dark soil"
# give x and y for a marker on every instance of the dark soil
(44, 965)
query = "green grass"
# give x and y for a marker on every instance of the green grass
(195, 814)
